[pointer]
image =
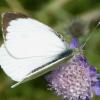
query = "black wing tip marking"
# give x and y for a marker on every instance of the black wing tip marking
(9, 16)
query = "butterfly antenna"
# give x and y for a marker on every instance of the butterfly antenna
(89, 36)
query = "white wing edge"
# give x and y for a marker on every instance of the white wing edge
(43, 70)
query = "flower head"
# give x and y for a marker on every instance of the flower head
(75, 79)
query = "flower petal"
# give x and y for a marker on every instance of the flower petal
(82, 59)
(98, 84)
(98, 75)
(93, 69)
(87, 98)
(93, 72)
(96, 88)
(74, 43)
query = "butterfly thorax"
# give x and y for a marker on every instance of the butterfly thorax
(77, 51)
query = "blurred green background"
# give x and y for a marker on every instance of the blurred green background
(58, 14)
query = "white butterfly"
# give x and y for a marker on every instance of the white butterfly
(30, 48)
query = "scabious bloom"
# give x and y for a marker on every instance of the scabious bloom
(75, 79)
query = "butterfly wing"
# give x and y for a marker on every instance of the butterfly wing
(28, 46)
(44, 69)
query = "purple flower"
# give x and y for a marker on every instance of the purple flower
(74, 43)
(75, 79)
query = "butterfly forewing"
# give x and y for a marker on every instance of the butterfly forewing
(28, 45)
(30, 36)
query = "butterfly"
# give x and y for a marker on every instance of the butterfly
(30, 48)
